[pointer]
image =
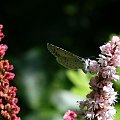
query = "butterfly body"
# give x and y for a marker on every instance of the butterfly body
(67, 59)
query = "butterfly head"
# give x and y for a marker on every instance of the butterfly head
(86, 65)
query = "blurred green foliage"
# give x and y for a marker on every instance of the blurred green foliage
(45, 89)
(80, 81)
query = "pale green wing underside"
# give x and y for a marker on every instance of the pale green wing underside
(65, 58)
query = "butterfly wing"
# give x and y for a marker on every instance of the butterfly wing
(65, 58)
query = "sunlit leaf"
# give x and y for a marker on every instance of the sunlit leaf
(117, 116)
(80, 81)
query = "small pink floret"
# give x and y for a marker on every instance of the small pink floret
(70, 115)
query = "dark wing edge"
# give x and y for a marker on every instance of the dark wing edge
(54, 51)
(50, 48)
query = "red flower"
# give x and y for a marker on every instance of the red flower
(8, 107)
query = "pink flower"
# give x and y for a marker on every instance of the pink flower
(106, 49)
(9, 75)
(115, 40)
(8, 107)
(99, 105)
(70, 115)
(3, 48)
(1, 34)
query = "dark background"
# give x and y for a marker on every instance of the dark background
(79, 26)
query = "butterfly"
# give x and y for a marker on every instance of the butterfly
(68, 59)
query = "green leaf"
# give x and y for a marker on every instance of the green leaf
(117, 116)
(80, 81)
